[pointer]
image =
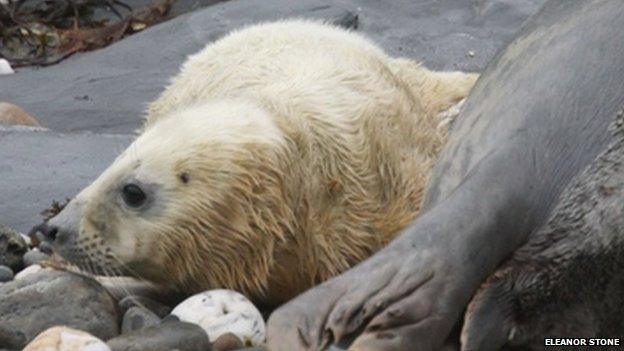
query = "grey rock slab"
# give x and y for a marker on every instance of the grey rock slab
(163, 337)
(42, 300)
(107, 90)
(177, 8)
(37, 167)
(137, 318)
(12, 247)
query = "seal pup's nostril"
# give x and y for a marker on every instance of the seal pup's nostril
(50, 232)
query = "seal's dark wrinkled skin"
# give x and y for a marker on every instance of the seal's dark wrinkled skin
(537, 117)
(566, 281)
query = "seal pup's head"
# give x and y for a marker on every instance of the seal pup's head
(193, 203)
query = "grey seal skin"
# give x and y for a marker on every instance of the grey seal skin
(567, 280)
(536, 118)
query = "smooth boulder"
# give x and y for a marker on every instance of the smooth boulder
(49, 298)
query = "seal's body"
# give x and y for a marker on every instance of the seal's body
(538, 116)
(280, 156)
(566, 281)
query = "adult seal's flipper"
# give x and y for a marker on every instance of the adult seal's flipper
(536, 118)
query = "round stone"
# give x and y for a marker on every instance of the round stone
(66, 339)
(138, 318)
(34, 257)
(224, 311)
(227, 342)
(6, 274)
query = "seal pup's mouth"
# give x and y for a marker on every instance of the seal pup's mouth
(88, 254)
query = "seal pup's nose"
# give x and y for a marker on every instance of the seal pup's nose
(50, 232)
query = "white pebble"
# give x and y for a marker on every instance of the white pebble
(28, 271)
(224, 311)
(26, 239)
(5, 67)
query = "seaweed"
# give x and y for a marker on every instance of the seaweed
(44, 32)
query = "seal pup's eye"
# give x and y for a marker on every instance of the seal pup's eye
(133, 196)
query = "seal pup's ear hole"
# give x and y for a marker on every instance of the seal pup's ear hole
(184, 177)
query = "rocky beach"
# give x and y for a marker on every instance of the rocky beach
(61, 125)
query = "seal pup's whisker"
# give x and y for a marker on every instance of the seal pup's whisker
(125, 267)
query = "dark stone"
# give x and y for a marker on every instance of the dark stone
(170, 318)
(137, 318)
(39, 301)
(12, 248)
(45, 247)
(161, 310)
(34, 257)
(11, 337)
(6, 274)
(168, 336)
(227, 342)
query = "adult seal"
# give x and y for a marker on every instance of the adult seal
(538, 116)
(566, 281)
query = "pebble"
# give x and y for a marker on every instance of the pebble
(26, 239)
(45, 247)
(170, 318)
(28, 271)
(6, 274)
(137, 318)
(5, 67)
(156, 307)
(66, 339)
(227, 342)
(13, 115)
(12, 247)
(167, 336)
(34, 257)
(49, 298)
(224, 311)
